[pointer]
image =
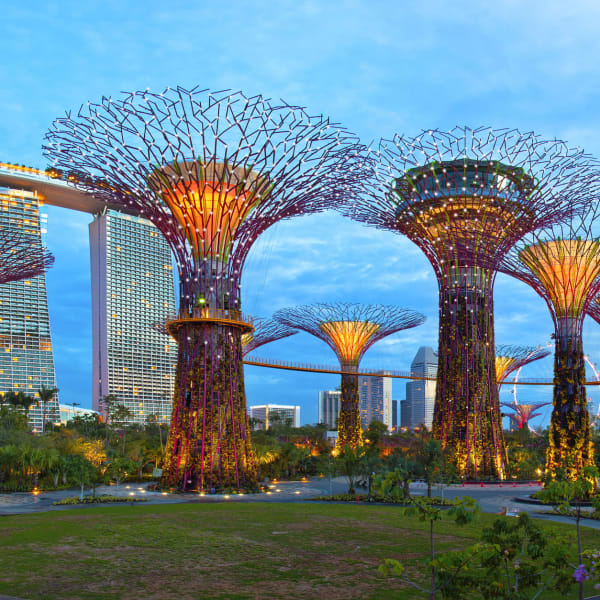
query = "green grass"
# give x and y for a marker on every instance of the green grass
(222, 551)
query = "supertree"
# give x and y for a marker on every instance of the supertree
(21, 256)
(465, 197)
(265, 332)
(511, 358)
(349, 330)
(562, 264)
(523, 413)
(212, 171)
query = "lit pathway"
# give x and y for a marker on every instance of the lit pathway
(492, 498)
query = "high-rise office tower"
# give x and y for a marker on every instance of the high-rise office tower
(420, 394)
(394, 415)
(329, 407)
(132, 288)
(268, 415)
(26, 359)
(375, 399)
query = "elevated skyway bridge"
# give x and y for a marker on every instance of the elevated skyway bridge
(55, 190)
(312, 368)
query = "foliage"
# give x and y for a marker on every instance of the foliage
(101, 499)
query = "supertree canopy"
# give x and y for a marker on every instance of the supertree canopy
(523, 413)
(349, 330)
(265, 332)
(562, 264)
(22, 256)
(212, 171)
(465, 197)
(511, 358)
(593, 309)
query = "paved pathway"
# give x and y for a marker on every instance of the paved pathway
(493, 498)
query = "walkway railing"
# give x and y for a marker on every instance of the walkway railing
(313, 368)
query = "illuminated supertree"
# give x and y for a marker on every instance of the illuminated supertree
(562, 264)
(22, 256)
(511, 358)
(212, 171)
(349, 330)
(465, 197)
(523, 413)
(265, 332)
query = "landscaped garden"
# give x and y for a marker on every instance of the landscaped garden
(236, 551)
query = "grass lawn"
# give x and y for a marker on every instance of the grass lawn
(222, 551)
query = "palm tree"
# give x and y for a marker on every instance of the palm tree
(46, 395)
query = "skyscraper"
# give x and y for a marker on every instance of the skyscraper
(329, 407)
(26, 359)
(132, 288)
(394, 415)
(417, 409)
(375, 395)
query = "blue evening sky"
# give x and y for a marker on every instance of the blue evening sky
(377, 67)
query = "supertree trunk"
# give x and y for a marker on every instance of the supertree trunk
(570, 445)
(467, 412)
(349, 431)
(209, 440)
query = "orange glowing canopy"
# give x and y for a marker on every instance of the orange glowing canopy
(210, 201)
(467, 219)
(503, 364)
(567, 269)
(349, 337)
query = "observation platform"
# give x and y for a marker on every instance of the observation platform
(212, 316)
(54, 190)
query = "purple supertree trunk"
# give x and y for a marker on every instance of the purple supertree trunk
(349, 429)
(467, 412)
(209, 441)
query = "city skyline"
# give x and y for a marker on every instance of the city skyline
(322, 258)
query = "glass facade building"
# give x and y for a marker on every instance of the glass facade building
(132, 289)
(26, 358)
(330, 403)
(417, 409)
(375, 398)
(284, 414)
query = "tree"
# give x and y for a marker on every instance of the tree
(567, 497)
(348, 464)
(464, 511)
(81, 471)
(119, 468)
(46, 395)
(19, 400)
(430, 460)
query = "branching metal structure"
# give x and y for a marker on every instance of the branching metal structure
(562, 264)
(212, 171)
(349, 330)
(465, 197)
(22, 257)
(593, 309)
(523, 413)
(265, 332)
(511, 358)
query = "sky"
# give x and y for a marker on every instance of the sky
(378, 68)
